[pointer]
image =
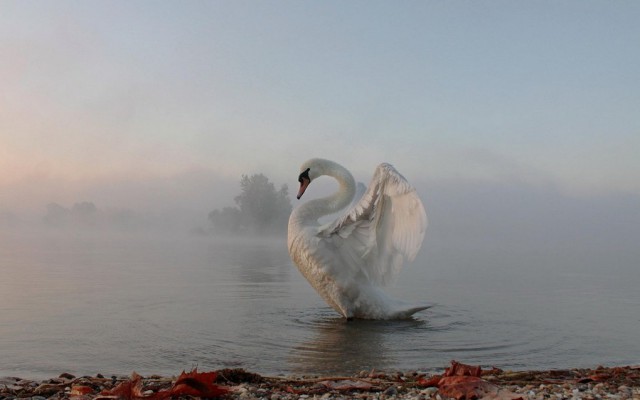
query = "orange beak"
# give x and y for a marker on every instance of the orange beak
(304, 182)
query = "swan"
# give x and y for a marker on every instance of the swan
(348, 261)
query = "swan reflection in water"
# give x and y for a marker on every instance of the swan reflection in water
(341, 347)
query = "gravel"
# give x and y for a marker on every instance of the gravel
(615, 383)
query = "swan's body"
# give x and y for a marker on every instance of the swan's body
(349, 260)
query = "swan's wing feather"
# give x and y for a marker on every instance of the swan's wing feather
(381, 231)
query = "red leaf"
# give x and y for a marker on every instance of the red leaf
(462, 381)
(465, 387)
(433, 381)
(459, 369)
(456, 369)
(599, 377)
(197, 384)
(125, 389)
(194, 383)
(80, 390)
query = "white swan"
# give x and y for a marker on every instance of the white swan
(349, 260)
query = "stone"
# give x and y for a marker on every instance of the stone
(391, 391)
(430, 391)
(47, 389)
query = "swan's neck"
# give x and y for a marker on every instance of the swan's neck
(314, 209)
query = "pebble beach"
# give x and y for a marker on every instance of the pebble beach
(458, 381)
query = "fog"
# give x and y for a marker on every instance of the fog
(471, 215)
(151, 112)
(519, 265)
(507, 221)
(162, 203)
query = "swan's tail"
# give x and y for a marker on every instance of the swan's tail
(404, 313)
(374, 303)
(399, 310)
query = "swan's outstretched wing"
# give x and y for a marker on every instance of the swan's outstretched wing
(384, 228)
(360, 190)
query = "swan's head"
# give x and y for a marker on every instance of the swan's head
(304, 180)
(309, 171)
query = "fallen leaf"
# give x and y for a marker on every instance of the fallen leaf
(80, 390)
(462, 381)
(197, 384)
(599, 377)
(433, 381)
(127, 390)
(194, 383)
(459, 369)
(465, 387)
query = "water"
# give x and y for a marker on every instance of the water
(112, 304)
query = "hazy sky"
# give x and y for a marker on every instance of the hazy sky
(97, 93)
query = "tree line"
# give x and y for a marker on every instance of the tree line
(85, 214)
(259, 209)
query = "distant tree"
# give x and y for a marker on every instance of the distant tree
(225, 221)
(283, 208)
(85, 214)
(123, 219)
(56, 215)
(260, 208)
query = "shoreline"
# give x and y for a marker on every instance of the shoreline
(458, 381)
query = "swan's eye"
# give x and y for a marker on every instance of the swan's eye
(304, 175)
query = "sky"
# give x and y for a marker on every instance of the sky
(166, 104)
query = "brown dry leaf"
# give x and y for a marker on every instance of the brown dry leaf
(194, 383)
(465, 387)
(433, 381)
(127, 390)
(459, 369)
(80, 390)
(456, 369)
(197, 384)
(461, 381)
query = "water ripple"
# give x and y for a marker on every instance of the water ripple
(157, 308)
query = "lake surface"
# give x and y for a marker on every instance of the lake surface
(114, 304)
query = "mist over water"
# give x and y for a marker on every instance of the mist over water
(518, 278)
(124, 126)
